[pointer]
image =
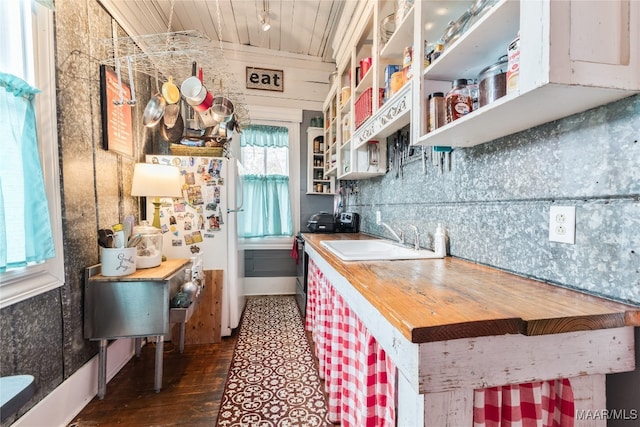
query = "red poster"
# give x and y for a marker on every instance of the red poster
(117, 126)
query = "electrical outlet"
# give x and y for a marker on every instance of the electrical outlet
(378, 217)
(562, 224)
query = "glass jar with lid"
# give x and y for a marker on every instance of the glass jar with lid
(458, 100)
(493, 81)
(149, 248)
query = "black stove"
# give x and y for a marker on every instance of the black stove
(302, 269)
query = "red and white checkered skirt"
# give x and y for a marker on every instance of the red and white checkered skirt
(360, 379)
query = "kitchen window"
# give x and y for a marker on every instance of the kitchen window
(265, 156)
(27, 52)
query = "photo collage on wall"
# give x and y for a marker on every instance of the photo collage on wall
(198, 214)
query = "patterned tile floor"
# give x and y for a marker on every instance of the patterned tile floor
(273, 379)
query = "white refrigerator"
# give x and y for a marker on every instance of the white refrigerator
(204, 222)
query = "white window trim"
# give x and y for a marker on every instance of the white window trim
(20, 284)
(291, 119)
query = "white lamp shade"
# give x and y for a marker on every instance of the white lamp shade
(154, 180)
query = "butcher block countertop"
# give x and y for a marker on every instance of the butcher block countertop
(442, 299)
(161, 272)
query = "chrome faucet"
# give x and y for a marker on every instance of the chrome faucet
(416, 244)
(399, 238)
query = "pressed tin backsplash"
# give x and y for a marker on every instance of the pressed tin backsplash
(495, 201)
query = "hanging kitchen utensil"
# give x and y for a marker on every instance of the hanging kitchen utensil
(196, 94)
(232, 124)
(174, 133)
(132, 85)
(155, 108)
(374, 150)
(442, 157)
(186, 111)
(170, 91)
(397, 154)
(190, 114)
(191, 126)
(372, 154)
(120, 91)
(223, 130)
(207, 119)
(222, 107)
(338, 202)
(171, 112)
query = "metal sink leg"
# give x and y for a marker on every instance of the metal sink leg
(102, 369)
(158, 371)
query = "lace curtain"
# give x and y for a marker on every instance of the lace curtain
(25, 228)
(265, 157)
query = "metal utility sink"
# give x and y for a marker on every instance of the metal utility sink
(373, 250)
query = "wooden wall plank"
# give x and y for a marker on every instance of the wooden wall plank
(205, 325)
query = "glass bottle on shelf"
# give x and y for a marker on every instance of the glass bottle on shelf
(435, 111)
(458, 100)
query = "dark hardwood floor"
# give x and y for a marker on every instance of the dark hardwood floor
(192, 387)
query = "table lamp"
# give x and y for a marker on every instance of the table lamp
(155, 180)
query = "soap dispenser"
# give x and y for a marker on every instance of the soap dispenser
(440, 242)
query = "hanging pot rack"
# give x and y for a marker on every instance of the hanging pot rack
(172, 54)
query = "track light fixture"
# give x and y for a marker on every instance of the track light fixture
(263, 17)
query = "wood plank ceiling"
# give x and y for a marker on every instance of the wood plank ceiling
(303, 27)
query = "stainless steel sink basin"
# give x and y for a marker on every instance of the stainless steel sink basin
(374, 249)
